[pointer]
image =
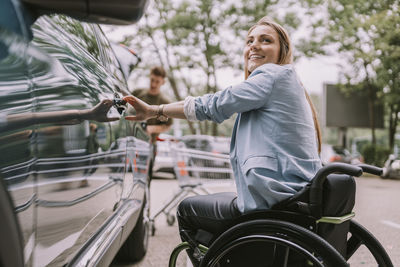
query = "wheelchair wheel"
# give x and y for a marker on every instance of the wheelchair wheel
(361, 236)
(271, 243)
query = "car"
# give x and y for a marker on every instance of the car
(331, 153)
(391, 169)
(66, 195)
(215, 144)
(127, 58)
(163, 162)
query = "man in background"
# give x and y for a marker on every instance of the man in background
(153, 96)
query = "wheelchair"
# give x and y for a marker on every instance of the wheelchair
(312, 228)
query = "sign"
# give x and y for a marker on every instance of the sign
(341, 110)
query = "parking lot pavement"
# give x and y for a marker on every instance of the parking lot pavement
(376, 209)
(166, 237)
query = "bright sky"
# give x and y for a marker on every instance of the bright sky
(313, 73)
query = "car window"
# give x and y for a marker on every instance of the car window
(80, 33)
(109, 59)
(62, 37)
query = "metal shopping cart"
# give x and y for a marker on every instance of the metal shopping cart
(195, 170)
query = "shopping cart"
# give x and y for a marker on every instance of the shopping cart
(195, 171)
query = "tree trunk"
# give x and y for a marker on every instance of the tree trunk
(371, 104)
(172, 82)
(215, 129)
(371, 114)
(393, 121)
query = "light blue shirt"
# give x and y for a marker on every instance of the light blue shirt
(273, 147)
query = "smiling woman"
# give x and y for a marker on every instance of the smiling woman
(275, 140)
(262, 46)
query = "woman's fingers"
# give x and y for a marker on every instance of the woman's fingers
(130, 99)
(141, 108)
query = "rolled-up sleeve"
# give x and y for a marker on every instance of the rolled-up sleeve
(248, 95)
(189, 108)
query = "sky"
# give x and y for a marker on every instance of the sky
(313, 73)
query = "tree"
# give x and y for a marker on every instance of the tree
(357, 31)
(388, 71)
(192, 40)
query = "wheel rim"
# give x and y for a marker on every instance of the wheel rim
(278, 229)
(270, 239)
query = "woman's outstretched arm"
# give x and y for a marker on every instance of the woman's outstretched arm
(145, 111)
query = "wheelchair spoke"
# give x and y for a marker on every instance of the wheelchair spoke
(272, 243)
(280, 255)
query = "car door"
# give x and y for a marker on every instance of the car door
(17, 139)
(78, 187)
(132, 134)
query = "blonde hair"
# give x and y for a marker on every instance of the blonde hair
(286, 57)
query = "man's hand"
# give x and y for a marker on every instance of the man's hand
(143, 110)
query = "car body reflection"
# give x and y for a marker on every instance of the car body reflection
(72, 194)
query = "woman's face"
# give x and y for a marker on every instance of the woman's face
(262, 46)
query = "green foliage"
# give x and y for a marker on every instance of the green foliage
(193, 39)
(366, 34)
(375, 154)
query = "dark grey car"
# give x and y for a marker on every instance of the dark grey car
(66, 198)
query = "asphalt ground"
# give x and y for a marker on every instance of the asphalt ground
(377, 208)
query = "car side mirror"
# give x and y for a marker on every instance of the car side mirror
(120, 12)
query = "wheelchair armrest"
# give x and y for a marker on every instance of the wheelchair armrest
(371, 169)
(319, 179)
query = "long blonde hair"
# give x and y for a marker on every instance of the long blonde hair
(286, 57)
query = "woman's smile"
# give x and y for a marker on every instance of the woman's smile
(262, 46)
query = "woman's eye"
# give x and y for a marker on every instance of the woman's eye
(267, 40)
(249, 41)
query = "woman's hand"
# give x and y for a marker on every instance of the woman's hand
(143, 110)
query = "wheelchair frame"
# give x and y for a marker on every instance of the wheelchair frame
(293, 230)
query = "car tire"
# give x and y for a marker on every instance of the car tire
(135, 246)
(11, 241)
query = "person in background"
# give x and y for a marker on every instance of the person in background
(154, 96)
(275, 140)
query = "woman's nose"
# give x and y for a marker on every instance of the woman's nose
(255, 45)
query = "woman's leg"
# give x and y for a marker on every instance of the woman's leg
(204, 217)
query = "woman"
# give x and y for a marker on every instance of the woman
(275, 139)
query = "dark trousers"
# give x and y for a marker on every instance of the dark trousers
(205, 217)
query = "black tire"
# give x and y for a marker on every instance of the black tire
(280, 233)
(359, 236)
(135, 246)
(11, 242)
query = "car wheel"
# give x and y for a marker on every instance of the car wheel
(11, 244)
(135, 246)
